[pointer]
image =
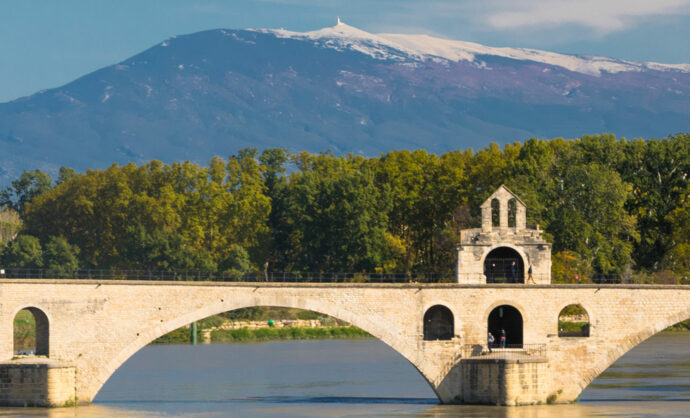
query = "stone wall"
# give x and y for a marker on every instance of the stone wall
(505, 382)
(37, 383)
(95, 326)
(278, 323)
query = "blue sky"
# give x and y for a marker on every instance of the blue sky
(47, 43)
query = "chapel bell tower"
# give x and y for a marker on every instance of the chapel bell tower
(502, 250)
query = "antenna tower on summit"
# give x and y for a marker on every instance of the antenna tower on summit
(339, 22)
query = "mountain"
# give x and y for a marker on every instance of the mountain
(338, 88)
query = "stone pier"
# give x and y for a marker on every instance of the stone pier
(37, 382)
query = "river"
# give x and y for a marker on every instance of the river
(356, 378)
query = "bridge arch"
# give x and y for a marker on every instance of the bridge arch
(41, 330)
(374, 325)
(617, 351)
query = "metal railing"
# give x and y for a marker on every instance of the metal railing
(636, 278)
(502, 270)
(509, 352)
(274, 277)
(308, 277)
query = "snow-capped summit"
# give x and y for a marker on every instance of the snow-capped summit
(343, 36)
(338, 88)
(391, 46)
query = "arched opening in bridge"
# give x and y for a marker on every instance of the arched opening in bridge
(512, 213)
(31, 332)
(495, 212)
(438, 323)
(337, 353)
(573, 321)
(504, 265)
(507, 320)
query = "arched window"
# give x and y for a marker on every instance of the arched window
(504, 265)
(512, 213)
(506, 320)
(31, 332)
(573, 321)
(438, 323)
(495, 212)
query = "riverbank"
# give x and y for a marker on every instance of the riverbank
(263, 334)
(680, 327)
(261, 324)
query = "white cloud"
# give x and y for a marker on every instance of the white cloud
(603, 15)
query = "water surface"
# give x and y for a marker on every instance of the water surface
(357, 378)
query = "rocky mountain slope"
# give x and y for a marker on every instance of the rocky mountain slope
(338, 88)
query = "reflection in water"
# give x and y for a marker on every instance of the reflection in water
(356, 378)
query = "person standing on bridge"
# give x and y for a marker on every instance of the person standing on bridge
(490, 341)
(513, 272)
(503, 338)
(530, 278)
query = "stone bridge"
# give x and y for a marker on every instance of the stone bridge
(88, 328)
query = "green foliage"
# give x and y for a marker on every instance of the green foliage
(333, 218)
(677, 258)
(178, 336)
(566, 264)
(237, 262)
(287, 333)
(24, 252)
(308, 315)
(571, 327)
(157, 216)
(210, 322)
(681, 326)
(60, 256)
(24, 326)
(589, 218)
(608, 205)
(264, 313)
(65, 174)
(10, 224)
(658, 171)
(253, 313)
(23, 190)
(573, 310)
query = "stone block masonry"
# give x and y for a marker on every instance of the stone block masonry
(37, 383)
(95, 326)
(505, 382)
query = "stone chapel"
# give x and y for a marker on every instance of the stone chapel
(502, 250)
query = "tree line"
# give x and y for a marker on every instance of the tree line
(608, 205)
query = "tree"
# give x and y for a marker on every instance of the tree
(658, 171)
(589, 218)
(677, 258)
(237, 263)
(60, 256)
(23, 190)
(163, 251)
(334, 222)
(24, 252)
(65, 174)
(566, 264)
